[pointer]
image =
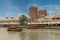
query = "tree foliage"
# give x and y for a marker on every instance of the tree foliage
(23, 19)
(31, 19)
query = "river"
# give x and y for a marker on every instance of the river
(30, 34)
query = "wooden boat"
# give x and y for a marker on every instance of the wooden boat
(14, 28)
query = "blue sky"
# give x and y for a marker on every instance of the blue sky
(13, 8)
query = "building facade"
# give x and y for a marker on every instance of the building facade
(33, 12)
(42, 13)
(7, 21)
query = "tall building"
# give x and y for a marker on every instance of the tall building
(33, 12)
(42, 13)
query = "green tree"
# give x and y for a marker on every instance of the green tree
(23, 19)
(30, 20)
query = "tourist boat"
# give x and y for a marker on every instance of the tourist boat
(14, 28)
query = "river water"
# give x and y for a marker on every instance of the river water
(30, 34)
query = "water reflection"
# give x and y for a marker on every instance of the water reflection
(30, 34)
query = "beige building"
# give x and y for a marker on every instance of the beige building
(8, 21)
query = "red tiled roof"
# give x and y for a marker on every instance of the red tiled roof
(57, 16)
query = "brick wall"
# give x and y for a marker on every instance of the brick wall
(33, 11)
(42, 13)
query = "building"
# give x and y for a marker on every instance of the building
(42, 13)
(56, 17)
(33, 12)
(7, 21)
